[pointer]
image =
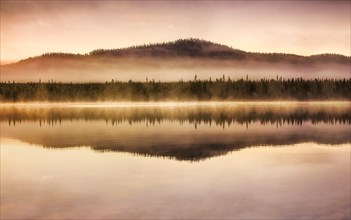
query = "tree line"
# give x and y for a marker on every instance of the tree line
(195, 90)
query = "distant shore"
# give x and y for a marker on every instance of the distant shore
(222, 89)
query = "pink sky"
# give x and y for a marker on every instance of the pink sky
(30, 28)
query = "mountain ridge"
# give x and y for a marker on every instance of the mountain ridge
(173, 61)
(195, 48)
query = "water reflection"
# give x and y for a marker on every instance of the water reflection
(304, 181)
(184, 133)
(287, 161)
(220, 114)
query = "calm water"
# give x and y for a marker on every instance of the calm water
(176, 160)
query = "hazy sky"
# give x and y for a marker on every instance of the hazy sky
(30, 28)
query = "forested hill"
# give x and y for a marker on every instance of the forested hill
(197, 48)
(173, 61)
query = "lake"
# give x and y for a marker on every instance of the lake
(227, 160)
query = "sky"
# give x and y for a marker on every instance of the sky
(31, 28)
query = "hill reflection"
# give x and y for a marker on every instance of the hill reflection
(192, 133)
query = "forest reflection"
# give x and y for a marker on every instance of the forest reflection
(181, 133)
(220, 116)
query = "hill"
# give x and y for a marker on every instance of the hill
(176, 60)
